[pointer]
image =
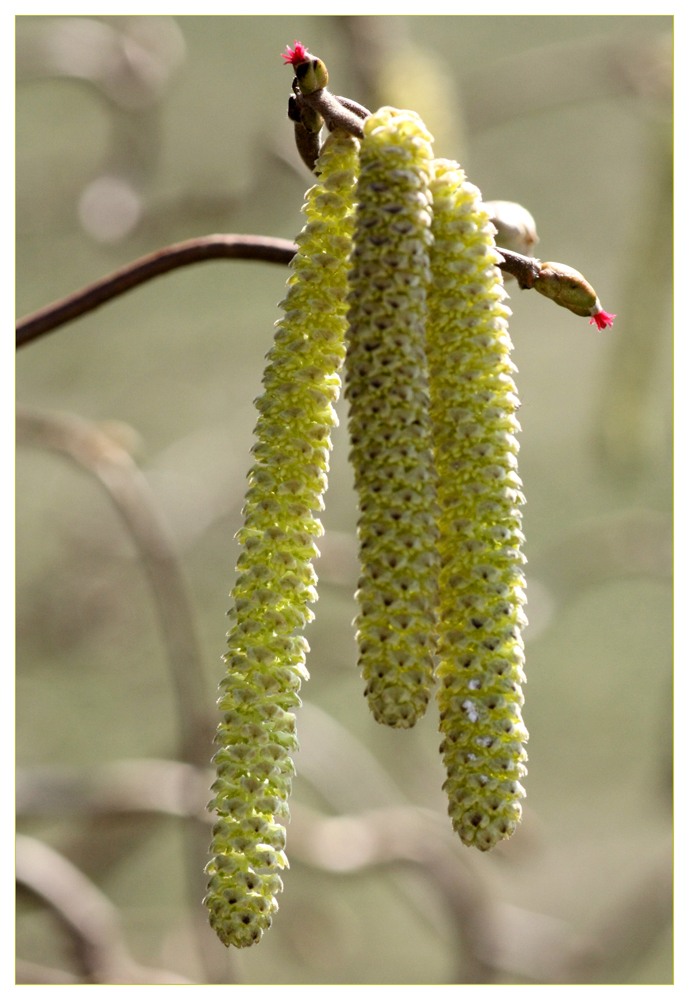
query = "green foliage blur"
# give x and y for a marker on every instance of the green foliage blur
(136, 132)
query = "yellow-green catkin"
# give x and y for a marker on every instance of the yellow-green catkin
(275, 583)
(473, 406)
(387, 388)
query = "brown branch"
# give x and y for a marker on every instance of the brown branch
(335, 114)
(230, 246)
(266, 248)
(525, 269)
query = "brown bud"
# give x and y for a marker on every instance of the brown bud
(567, 288)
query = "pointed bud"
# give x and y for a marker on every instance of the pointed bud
(567, 288)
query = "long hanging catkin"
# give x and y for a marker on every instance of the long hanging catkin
(276, 580)
(473, 405)
(387, 388)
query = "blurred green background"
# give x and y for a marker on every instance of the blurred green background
(136, 132)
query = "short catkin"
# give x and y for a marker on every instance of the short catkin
(387, 388)
(473, 406)
(276, 581)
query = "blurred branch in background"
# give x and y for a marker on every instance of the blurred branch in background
(345, 844)
(102, 456)
(105, 459)
(89, 916)
(129, 63)
(492, 937)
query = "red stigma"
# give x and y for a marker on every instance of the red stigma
(297, 55)
(602, 319)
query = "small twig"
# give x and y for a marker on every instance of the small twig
(88, 914)
(307, 130)
(337, 113)
(311, 110)
(525, 269)
(266, 248)
(359, 110)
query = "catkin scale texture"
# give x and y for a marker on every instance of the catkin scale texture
(387, 389)
(481, 583)
(276, 581)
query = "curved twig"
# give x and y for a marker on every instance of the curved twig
(525, 269)
(400, 836)
(230, 245)
(336, 112)
(266, 248)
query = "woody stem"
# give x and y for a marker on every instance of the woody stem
(231, 246)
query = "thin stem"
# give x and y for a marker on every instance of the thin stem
(337, 112)
(525, 269)
(230, 245)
